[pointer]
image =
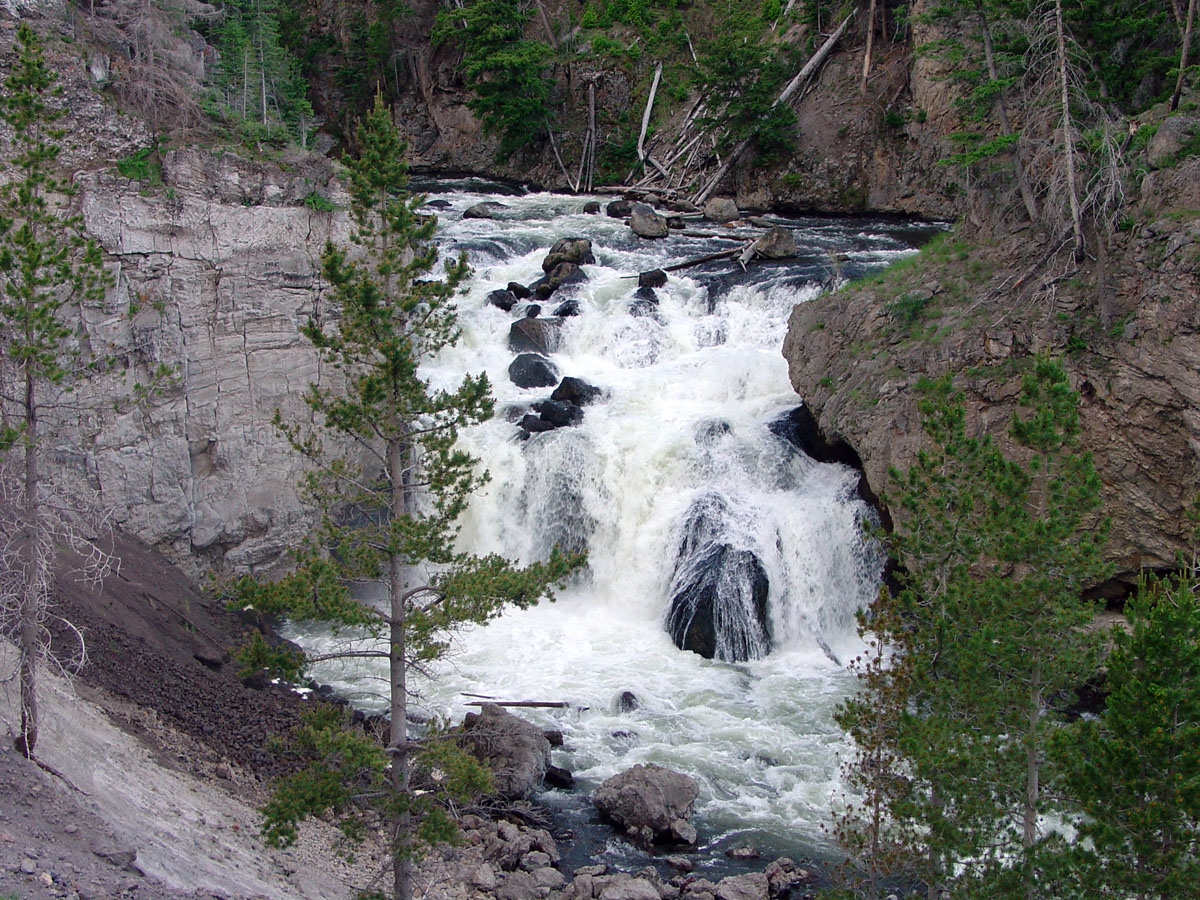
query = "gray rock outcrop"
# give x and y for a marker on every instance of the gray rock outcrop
(516, 751)
(652, 803)
(1138, 376)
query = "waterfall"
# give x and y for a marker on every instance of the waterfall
(692, 509)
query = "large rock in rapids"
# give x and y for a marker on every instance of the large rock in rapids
(718, 591)
(534, 335)
(652, 803)
(530, 370)
(577, 250)
(646, 223)
(776, 243)
(516, 751)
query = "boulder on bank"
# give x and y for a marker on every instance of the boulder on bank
(646, 223)
(652, 803)
(516, 751)
(488, 209)
(721, 210)
(1169, 140)
(577, 250)
(530, 370)
(533, 334)
(776, 243)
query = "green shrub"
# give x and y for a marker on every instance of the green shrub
(143, 165)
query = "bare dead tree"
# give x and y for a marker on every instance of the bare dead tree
(1078, 187)
(157, 72)
(68, 525)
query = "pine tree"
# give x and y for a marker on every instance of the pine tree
(1135, 770)
(392, 519)
(259, 77)
(46, 261)
(983, 642)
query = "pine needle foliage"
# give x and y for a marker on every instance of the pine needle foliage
(979, 651)
(389, 509)
(1135, 770)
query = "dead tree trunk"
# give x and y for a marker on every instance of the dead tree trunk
(1183, 53)
(1006, 128)
(866, 66)
(1068, 130)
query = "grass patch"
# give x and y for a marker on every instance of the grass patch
(143, 165)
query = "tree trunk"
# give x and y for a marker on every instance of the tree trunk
(1029, 831)
(1183, 53)
(866, 66)
(398, 745)
(1006, 128)
(31, 593)
(1068, 137)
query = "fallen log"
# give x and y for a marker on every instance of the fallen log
(526, 704)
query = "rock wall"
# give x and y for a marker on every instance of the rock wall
(214, 273)
(1126, 324)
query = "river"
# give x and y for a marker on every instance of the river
(690, 386)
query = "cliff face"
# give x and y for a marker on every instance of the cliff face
(215, 273)
(1127, 325)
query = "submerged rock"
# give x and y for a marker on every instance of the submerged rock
(719, 591)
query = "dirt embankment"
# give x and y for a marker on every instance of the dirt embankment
(159, 753)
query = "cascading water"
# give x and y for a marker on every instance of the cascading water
(690, 506)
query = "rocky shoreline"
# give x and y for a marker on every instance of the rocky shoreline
(156, 759)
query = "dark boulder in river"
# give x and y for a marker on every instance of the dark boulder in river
(719, 591)
(489, 209)
(619, 209)
(575, 390)
(562, 274)
(530, 370)
(505, 300)
(519, 290)
(566, 309)
(534, 335)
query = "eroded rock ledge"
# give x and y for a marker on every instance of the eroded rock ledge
(1128, 332)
